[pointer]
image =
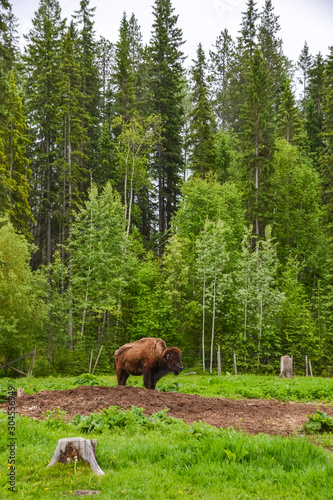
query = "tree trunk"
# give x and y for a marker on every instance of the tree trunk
(203, 324)
(213, 329)
(260, 328)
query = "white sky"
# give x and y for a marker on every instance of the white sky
(203, 20)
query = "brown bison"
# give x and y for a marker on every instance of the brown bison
(149, 357)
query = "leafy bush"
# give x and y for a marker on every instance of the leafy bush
(90, 379)
(318, 423)
(172, 387)
(114, 418)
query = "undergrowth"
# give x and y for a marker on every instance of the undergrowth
(318, 423)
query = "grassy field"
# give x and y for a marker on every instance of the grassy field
(302, 389)
(163, 458)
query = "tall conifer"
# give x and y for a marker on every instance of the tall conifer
(124, 77)
(220, 76)
(14, 166)
(202, 122)
(289, 124)
(166, 83)
(326, 153)
(313, 112)
(256, 137)
(73, 137)
(87, 59)
(42, 60)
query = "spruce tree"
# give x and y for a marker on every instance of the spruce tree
(240, 63)
(124, 77)
(220, 76)
(304, 65)
(271, 48)
(313, 107)
(202, 123)
(8, 37)
(14, 166)
(87, 59)
(289, 123)
(8, 49)
(248, 34)
(166, 83)
(326, 152)
(256, 137)
(42, 60)
(106, 168)
(73, 137)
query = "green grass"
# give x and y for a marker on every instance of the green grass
(302, 389)
(163, 458)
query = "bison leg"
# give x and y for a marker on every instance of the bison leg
(148, 381)
(122, 377)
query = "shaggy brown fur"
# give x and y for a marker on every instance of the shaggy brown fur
(149, 357)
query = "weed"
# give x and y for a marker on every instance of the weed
(318, 423)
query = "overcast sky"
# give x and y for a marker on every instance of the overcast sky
(203, 20)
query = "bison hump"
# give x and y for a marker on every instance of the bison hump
(150, 345)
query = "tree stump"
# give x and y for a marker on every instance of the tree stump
(75, 449)
(286, 367)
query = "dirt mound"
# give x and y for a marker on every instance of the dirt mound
(251, 415)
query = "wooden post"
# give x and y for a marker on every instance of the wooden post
(306, 366)
(235, 364)
(99, 353)
(286, 367)
(218, 359)
(91, 356)
(310, 368)
(32, 360)
(75, 449)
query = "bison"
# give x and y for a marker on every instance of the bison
(149, 357)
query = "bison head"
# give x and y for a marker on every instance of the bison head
(173, 359)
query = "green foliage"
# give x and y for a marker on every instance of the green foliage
(318, 423)
(295, 209)
(113, 418)
(90, 379)
(298, 329)
(22, 309)
(75, 111)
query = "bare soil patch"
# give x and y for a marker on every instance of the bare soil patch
(249, 415)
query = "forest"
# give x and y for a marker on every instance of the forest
(144, 194)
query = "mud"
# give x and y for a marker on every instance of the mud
(249, 415)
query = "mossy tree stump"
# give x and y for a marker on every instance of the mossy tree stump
(76, 449)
